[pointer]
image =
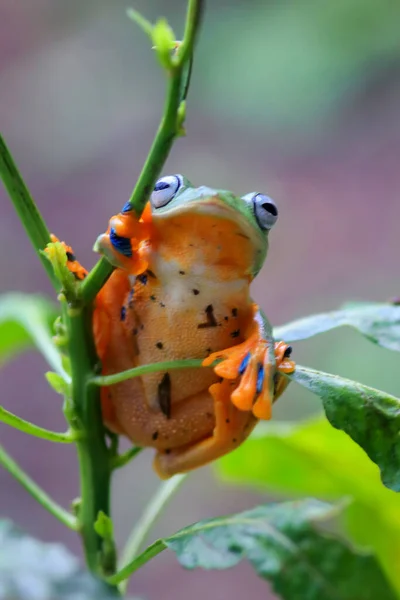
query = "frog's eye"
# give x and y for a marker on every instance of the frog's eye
(165, 190)
(265, 210)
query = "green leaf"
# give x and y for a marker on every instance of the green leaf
(30, 570)
(164, 42)
(141, 21)
(284, 546)
(25, 321)
(104, 526)
(314, 459)
(105, 529)
(380, 323)
(370, 417)
(58, 383)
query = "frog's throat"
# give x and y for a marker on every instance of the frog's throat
(215, 214)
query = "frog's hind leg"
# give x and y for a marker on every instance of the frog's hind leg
(232, 427)
(259, 361)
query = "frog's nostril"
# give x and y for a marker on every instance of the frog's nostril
(271, 208)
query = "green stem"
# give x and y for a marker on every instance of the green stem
(162, 144)
(93, 455)
(32, 488)
(149, 517)
(192, 26)
(26, 208)
(167, 130)
(45, 434)
(95, 280)
(123, 459)
(105, 380)
(138, 562)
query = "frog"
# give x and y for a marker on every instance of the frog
(181, 290)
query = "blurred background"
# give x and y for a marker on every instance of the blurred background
(299, 100)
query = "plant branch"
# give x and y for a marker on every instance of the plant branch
(106, 380)
(146, 522)
(167, 131)
(32, 488)
(138, 562)
(93, 455)
(45, 434)
(26, 209)
(95, 280)
(192, 26)
(120, 460)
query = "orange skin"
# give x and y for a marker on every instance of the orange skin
(173, 311)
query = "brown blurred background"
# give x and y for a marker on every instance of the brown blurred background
(300, 100)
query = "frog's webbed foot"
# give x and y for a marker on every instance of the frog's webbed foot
(124, 243)
(250, 361)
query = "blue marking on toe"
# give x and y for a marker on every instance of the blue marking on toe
(260, 378)
(142, 278)
(121, 244)
(244, 363)
(126, 208)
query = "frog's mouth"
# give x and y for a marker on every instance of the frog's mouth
(213, 233)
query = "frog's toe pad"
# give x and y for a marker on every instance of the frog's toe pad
(251, 362)
(125, 241)
(120, 253)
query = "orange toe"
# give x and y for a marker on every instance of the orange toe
(282, 353)
(250, 361)
(134, 264)
(232, 358)
(128, 226)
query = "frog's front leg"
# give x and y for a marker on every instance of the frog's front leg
(232, 426)
(258, 361)
(124, 243)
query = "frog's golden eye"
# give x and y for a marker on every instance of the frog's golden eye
(265, 210)
(165, 190)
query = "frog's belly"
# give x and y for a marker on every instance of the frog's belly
(172, 408)
(185, 320)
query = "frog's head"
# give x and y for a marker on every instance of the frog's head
(222, 229)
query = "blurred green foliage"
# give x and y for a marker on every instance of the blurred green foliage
(314, 459)
(285, 545)
(294, 63)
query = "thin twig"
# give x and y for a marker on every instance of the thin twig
(106, 380)
(32, 488)
(138, 562)
(26, 208)
(9, 418)
(147, 520)
(120, 460)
